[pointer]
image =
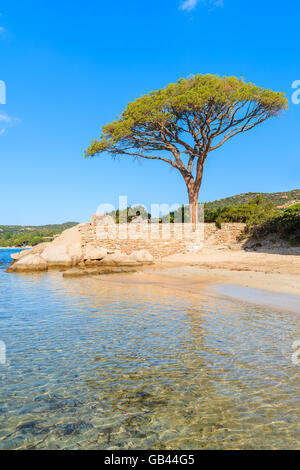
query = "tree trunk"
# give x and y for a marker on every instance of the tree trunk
(193, 187)
(193, 201)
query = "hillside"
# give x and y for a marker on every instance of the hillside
(281, 200)
(17, 235)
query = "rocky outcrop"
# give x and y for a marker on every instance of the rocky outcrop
(36, 250)
(139, 220)
(67, 252)
(141, 256)
(93, 252)
(98, 270)
(30, 263)
(117, 259)
(16, 256)
(64, 251)
(102, 219)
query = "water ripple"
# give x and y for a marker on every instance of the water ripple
(102, 365)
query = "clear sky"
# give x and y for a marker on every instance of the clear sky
(72, 66)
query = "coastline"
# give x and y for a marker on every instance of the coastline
(15, 247)
(263, 278)
(276, 272)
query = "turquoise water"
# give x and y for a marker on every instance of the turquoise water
(97, 364)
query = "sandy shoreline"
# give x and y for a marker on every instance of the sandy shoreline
(268, 271)
(273, 279)
(272, 272)
(192, 273)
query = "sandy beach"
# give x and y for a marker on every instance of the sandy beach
(210, 268)
(269, 271)
(261, 278)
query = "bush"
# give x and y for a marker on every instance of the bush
(254, 212)
(293, 210)
(286, 227)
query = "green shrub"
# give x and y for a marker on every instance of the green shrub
(256, 211)
(286, 227)
(293, 210)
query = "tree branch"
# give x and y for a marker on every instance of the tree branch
(238, 131)
(141, 155)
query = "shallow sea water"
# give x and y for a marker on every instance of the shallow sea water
(97, 364)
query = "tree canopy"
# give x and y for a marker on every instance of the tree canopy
(182, 123)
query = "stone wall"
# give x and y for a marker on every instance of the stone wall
(160, 240)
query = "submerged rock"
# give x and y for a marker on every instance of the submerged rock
(66, 429)
(75, 272)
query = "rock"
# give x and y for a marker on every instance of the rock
(137, 258)
(93, 252)
(95, 218)
(75, 250)
(141, 256)
(36, 250)
(118, 259)
(75, 272)
(65, 250)
(139, 220)
(29, 263)
(112, 270)
(68, 429)
(19, 255)
(103, 219)
(68, 237)
(58, 256)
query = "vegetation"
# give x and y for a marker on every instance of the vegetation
(262, 218)
(16, 235)
(261, 214)
(130, 213)
(293, 210)
(279, 199)
(182, 123)
(254, 212)
(285, 226)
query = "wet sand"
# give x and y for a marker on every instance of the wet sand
(268, 271)
(224, 271)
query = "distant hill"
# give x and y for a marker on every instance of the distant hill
(18, 235)
(38, 228)
(281, 200)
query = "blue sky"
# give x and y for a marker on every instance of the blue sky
(72, 66)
